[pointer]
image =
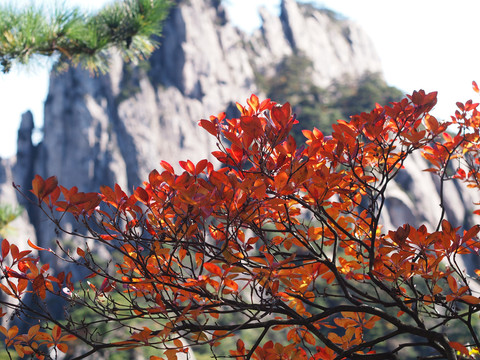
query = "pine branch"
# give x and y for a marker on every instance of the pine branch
(78, 38)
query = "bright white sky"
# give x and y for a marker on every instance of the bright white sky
(427, 44)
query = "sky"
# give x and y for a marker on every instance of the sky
(422, 44)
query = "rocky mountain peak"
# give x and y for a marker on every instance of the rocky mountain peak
(336, 46)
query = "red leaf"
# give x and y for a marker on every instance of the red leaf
(141, 195)
(281, 180)
(119, 193)
(459, 347)
(281, 115)
(108, 237)
(38, 186)
(431, 123)
(472, 232)
(201, 165)
(209, 126)
(475, 87)
(5, 248)
(50, 185)
(62, 347)
(472, 300)
(39, 286)
(461, 174)
(167, 167)
(42, 188)
(188, 166)
(452, 283)
(56, 333)
(5, 290)
(33, 246)
(154, 178)
(231, 284)
(252, 126)
(241, 346)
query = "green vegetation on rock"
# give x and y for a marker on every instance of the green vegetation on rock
(321, 107)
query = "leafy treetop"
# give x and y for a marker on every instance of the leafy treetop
(287, 237)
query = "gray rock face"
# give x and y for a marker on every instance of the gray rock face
(415, 198)
(21, 229)
(337, 47)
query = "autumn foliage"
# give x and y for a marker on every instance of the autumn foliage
(275, 237)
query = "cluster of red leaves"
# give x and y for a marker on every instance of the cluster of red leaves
(23, 274)
(273, 234)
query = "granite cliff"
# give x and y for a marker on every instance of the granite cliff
(117, 127)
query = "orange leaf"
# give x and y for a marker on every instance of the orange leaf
(178, 343)
(68, 338)
(56, 333)
(33, 246)
(281, 180)
(431, 123)
(252, 126)
(309, 338)
(5, 290)
(371, 322)
(281, 115)
(472, 300)
(231, 284)
(33, 331)
(42, 188)
(475, 87)
(12, 332)
(108, 237)
(171, 354)
(62, 347)
(453, 284)
(335, 338)
(253, 102)
(20, 350)
(214, 269)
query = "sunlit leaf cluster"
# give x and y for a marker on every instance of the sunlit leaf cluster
(287, 237)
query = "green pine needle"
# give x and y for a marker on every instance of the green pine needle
(78, 38)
